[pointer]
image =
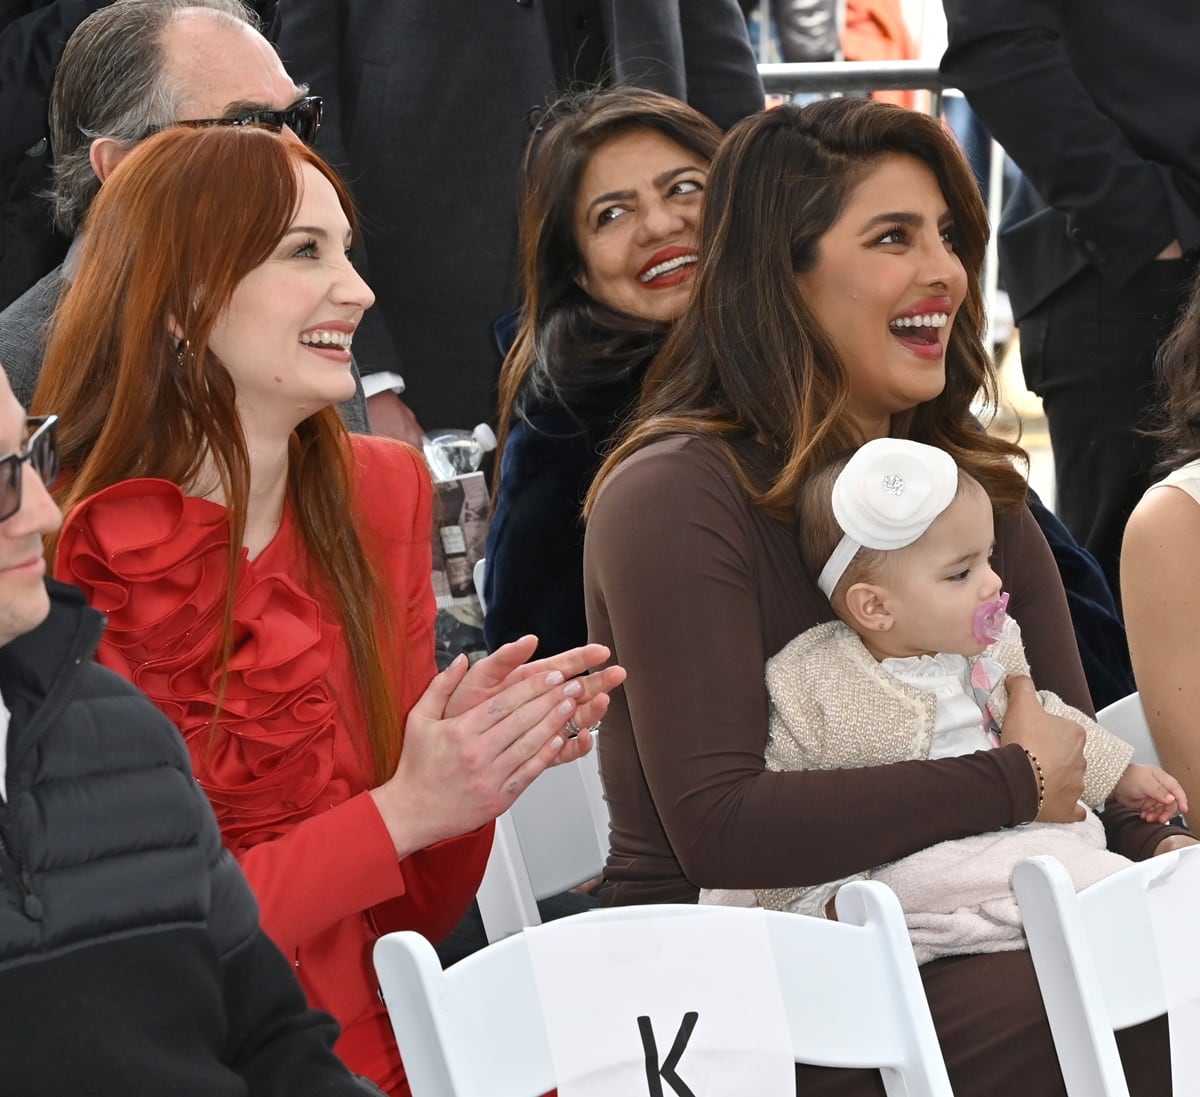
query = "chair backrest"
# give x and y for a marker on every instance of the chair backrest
(1096, 962)
(554, 837)
(851, 989)
(1126, 719)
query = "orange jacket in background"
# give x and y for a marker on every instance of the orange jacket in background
(876, 31)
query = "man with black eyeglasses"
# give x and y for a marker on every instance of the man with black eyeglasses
(131, 958)
(130, 69)
(33, 34)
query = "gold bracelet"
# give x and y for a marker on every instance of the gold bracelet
(1041, 780)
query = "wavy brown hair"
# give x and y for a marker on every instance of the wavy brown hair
(1178, 364)
(748, 357)
(168, 239)
(560, 323)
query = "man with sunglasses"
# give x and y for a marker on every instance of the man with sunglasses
(131, 959)
(129, 70)
(33, 34)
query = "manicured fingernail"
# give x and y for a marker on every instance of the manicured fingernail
(556, 744)
(573, 689)
(565, 708)
(554, 677)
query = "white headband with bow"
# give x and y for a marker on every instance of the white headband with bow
(888, 494)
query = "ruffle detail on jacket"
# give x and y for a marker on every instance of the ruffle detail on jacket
(155, 561)
(932, 667)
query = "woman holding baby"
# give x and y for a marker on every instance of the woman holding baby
(837, 300)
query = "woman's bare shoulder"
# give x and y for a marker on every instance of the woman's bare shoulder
(1164, 526)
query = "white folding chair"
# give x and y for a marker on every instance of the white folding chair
(851, 990)
(1096, 962)
(1127, 720)
(554, 837)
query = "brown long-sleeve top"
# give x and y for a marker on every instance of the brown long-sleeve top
(694, 589)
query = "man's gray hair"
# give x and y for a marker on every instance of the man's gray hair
(111, 83)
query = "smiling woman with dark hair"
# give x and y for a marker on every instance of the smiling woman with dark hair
(610, 204)
(837, 300)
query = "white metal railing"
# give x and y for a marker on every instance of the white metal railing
(843, 76)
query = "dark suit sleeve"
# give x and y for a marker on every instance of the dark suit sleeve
(722, 74)
(30, 47)
(32, 36)
(1009, 58)
(312, 47)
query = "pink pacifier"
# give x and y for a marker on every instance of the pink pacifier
(989, 620)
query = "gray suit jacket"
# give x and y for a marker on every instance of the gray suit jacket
(23, 328)
(427, 112)
(25, 324)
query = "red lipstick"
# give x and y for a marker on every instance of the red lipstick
(678, 271)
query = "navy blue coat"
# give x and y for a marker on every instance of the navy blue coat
(534, 579)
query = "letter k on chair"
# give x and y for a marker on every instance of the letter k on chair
(851, 992)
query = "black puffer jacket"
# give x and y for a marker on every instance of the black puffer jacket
(131, 960)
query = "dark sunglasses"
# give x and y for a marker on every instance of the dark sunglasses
(41, 451)
(302, 118)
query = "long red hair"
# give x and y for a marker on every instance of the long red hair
(128, 368)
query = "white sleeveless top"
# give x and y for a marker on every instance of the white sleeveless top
(1186, 478)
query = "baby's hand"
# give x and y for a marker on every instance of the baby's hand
(1151, 791)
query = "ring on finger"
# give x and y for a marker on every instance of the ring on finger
(573, 729)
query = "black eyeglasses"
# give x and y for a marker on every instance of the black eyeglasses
(302, 118)
(41, 451)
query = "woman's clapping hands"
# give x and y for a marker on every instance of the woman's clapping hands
(481, 733)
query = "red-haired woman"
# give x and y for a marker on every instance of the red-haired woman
(266, 576)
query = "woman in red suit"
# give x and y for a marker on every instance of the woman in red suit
(267, 576)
